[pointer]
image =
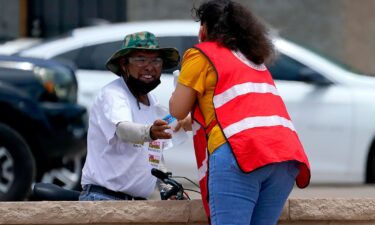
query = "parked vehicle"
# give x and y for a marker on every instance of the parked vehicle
(15, 45)
(42, 128)
(332, 108)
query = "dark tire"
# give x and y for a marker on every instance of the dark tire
(69, 175)
(17, 166)
(370, 170)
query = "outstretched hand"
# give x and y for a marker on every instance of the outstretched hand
(185, 124)
(157, 130)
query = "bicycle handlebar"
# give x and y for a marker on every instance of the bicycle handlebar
(176, 189)
(159, 174)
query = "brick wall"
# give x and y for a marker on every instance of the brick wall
(333, 211)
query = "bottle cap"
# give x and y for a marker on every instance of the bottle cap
(176, 73)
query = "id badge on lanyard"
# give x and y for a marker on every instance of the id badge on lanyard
(155, 152)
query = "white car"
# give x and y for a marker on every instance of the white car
(16, 45)
(333, 109)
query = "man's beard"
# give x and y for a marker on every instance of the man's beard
(138, 87)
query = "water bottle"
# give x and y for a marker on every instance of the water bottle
(178, 137)
(175, 77)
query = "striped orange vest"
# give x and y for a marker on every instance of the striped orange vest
(251, 115)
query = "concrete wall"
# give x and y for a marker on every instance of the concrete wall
(359, 34)
(343, 29)
(296, 211)
(9, 19)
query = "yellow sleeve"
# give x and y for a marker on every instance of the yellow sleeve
(194, 70)
(197, 73)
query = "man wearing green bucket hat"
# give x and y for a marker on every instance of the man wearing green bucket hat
(124, 136)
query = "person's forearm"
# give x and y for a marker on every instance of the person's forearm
(133, 132)
(182, 101)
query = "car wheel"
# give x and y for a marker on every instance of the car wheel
(17, 166)
(370, 175)
(69, 175)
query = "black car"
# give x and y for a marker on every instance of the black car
(42, 128)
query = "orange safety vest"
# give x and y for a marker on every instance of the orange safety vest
(251, 115)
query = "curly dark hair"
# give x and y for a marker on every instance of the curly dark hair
(235, 27)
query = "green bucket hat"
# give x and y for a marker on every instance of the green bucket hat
(142, 41)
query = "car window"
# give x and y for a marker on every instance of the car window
(70, 55)
(286, 68)
(95, 57)
(179, 42)
(92, 57)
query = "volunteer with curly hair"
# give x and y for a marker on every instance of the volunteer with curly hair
(241, 125)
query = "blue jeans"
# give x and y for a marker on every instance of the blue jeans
(255, 198)
(87, 195)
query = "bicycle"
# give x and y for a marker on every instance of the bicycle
(173, 190)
